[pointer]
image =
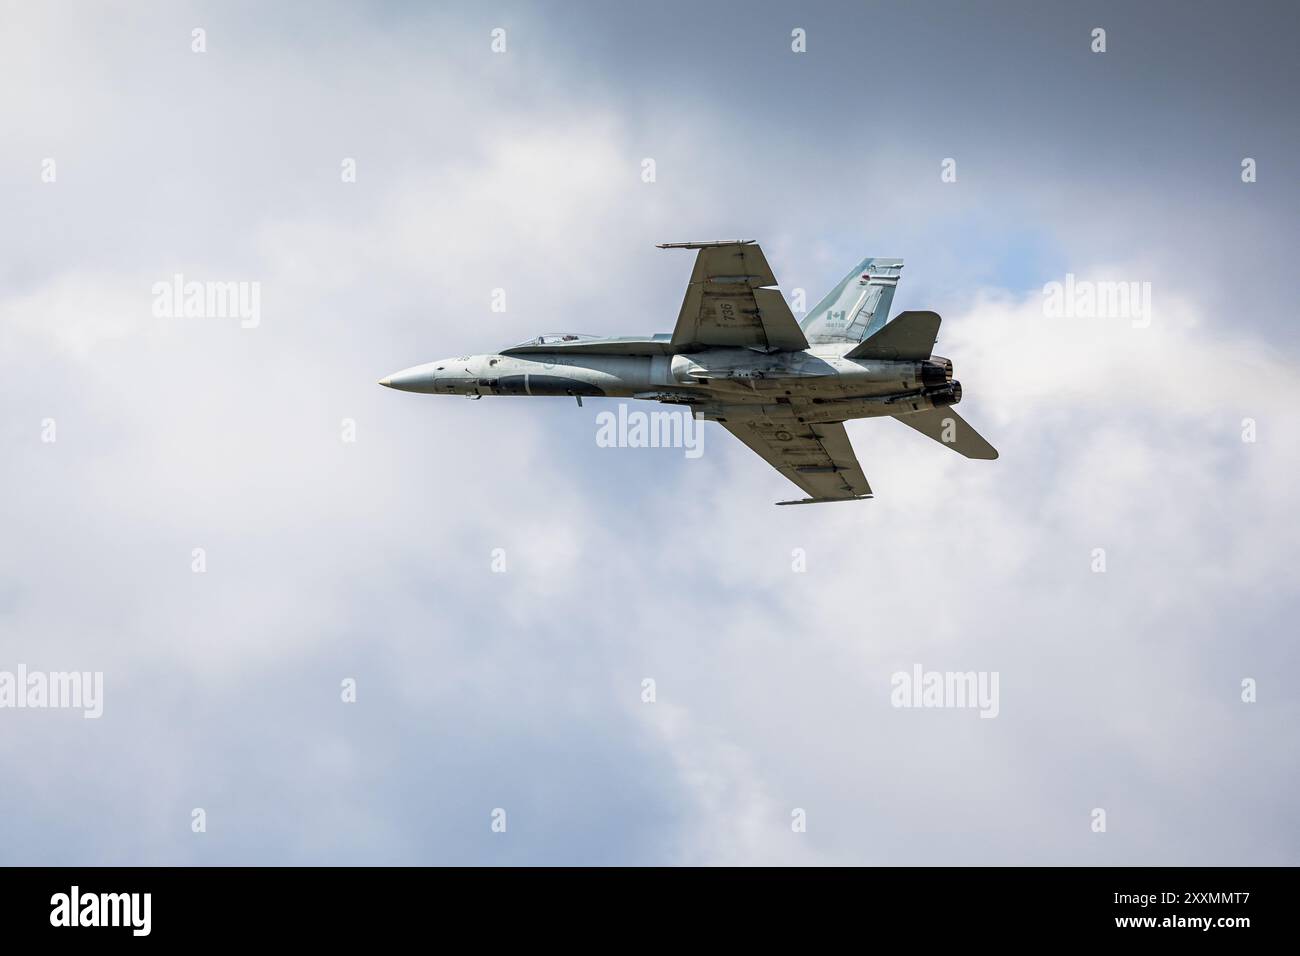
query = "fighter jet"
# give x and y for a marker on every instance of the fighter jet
(740, 358)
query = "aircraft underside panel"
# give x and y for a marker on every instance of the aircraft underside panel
(818, 458)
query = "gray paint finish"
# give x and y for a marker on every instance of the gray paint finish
(738, 357)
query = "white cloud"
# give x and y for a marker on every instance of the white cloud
(328, 559)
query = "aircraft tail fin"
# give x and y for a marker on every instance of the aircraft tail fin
(946, 427)
(857, 306)
(909, 337)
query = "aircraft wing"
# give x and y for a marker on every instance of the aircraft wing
(818, 458)
(731, 302)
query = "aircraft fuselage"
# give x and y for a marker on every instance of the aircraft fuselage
(707, 380)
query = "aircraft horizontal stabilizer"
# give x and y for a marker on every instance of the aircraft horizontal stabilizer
(910, 337)
(948, 428)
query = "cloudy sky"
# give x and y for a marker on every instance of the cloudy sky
(130, 158)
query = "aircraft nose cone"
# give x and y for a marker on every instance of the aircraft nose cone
(421, 378)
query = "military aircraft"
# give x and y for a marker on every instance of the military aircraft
(739, 357)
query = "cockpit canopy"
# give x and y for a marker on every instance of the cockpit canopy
(558, 338)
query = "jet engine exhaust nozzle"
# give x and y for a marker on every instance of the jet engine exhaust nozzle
(949, 394)
(934, 373)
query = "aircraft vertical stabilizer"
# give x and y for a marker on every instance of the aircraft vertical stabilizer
(857, 306)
